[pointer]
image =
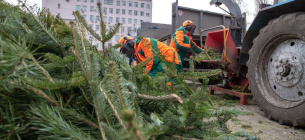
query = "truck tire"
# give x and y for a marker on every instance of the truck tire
(276, 69)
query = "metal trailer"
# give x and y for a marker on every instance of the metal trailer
(269, 60)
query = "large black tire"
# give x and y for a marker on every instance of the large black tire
(277, 69)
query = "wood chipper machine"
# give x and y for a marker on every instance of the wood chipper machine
(268, 60)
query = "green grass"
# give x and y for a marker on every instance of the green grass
(246, 126)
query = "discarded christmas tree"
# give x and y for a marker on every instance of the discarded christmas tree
(56, 85)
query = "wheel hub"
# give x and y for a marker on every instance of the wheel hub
(285, 70)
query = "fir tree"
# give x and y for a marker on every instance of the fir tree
(56, 85)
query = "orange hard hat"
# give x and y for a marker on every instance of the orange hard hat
(186, 23)
(124, 39)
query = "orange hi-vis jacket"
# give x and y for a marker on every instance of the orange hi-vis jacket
(147, 48)
(182, 43)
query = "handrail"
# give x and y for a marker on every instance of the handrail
(224, 40)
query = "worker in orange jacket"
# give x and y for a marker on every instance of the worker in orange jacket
(146, 48)
(182, 40)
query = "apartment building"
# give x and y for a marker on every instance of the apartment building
(128, 12)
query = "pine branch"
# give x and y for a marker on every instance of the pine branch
(24, 5)
(82, 42)
(142, 64)
(159, 98)
(40, 93)
(57, 84)
(192, 69)
(128, 116)
(9, 36)
(76, 54)
(46, 31)
(81, 19)
(12, 70)
(116, 114)
(111, 32)
(82, 91)
(221, 123)
(79, 117)
(45, 73)
(198, 75)
(116, 84)
(103, 30)
(102, 23)
(97, 112)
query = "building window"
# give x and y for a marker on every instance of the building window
(98, 0)
(148, 6)
(92, 1)
(142, 5)
(91, 8)
(123, 20)
(91, 26)
(58, 14)
(141, 21)
(85, 0)
(117, 11)
(97, 18)
(129, 21)
(142, 13)
(84, 16)
(110, 10)
(108, 2)
(130, 3)
(123, 11)
(84, 8)
(117, 19)
(91, 17)
(123, 3)
(104, 19)
(109, 44)
(147, 14)
(122, 29)
(135, 13)
(110, 19)
(97, 27)
(116, 38)
(97, 10)
(118, 3)
(105, 10)
(135, 21)
(129, 29)
(135, 4)
(130, 12)
(78, 7)
(78, 0)
(58, 6)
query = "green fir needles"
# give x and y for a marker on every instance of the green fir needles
(56, 85)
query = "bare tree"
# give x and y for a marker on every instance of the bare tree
(258, 3)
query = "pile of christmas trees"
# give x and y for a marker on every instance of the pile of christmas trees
(54, 84)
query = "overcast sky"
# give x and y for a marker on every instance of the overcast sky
(162, 9)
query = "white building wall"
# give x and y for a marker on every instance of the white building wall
(65, 8)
